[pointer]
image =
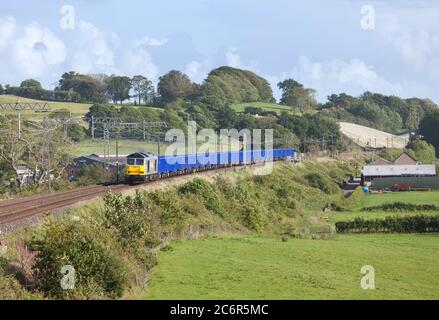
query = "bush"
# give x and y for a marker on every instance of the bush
(126, 216)
(99, 270)
(317, 180)
(171, 213)
(207, 192)
(422, 151)
(255, 218)
(89, 175)
(10, 289)
(355, 198)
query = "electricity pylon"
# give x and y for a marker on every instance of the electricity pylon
(26, 106)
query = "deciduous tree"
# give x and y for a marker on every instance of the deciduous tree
(175, 85)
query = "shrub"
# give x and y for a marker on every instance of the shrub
(354, 198)
(91, 175)
(99, 270)
(319, 181)
(127, 216)
(10, 289)
(207, 192)
(171, 213)
(255, 218)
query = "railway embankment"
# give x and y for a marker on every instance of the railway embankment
(111, 246)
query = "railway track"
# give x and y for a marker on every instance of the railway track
(18, 209)
(15, 210)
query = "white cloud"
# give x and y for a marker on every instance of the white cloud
(139, 61)
(198, 70)
(92, 51)
(153, 42)
(336, 76)
(414, 36)
(28, 51)
(7, 30)
(34, 51)
(233, 59)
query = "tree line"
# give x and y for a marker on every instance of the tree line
(211, 103)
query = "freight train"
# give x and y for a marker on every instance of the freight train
(143, 167)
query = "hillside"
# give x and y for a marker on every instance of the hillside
(77, 109)
(368, 137)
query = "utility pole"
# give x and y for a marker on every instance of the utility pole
(117, 156)
(47, 139)
(158, 146)
(19, 118)
(92, 127)
(152, 125)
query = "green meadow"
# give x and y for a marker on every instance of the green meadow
(406, 267)
(77, 110)
(248, 267)
(372, 200)
(240, 107)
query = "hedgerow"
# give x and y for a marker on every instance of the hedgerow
(413, 224)
(402, 207)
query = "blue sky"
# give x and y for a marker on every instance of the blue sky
(318, 42)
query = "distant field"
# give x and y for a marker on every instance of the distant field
(77, 109)
(264, 106)
(267, 268)
(373, 200)
(368, 137)
(89, 146)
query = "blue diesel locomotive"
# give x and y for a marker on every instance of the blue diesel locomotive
(143, 167)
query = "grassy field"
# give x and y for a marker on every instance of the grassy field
(264, 106)
(89, 146)
(77, 109)
(373, 200)
(267, 268)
